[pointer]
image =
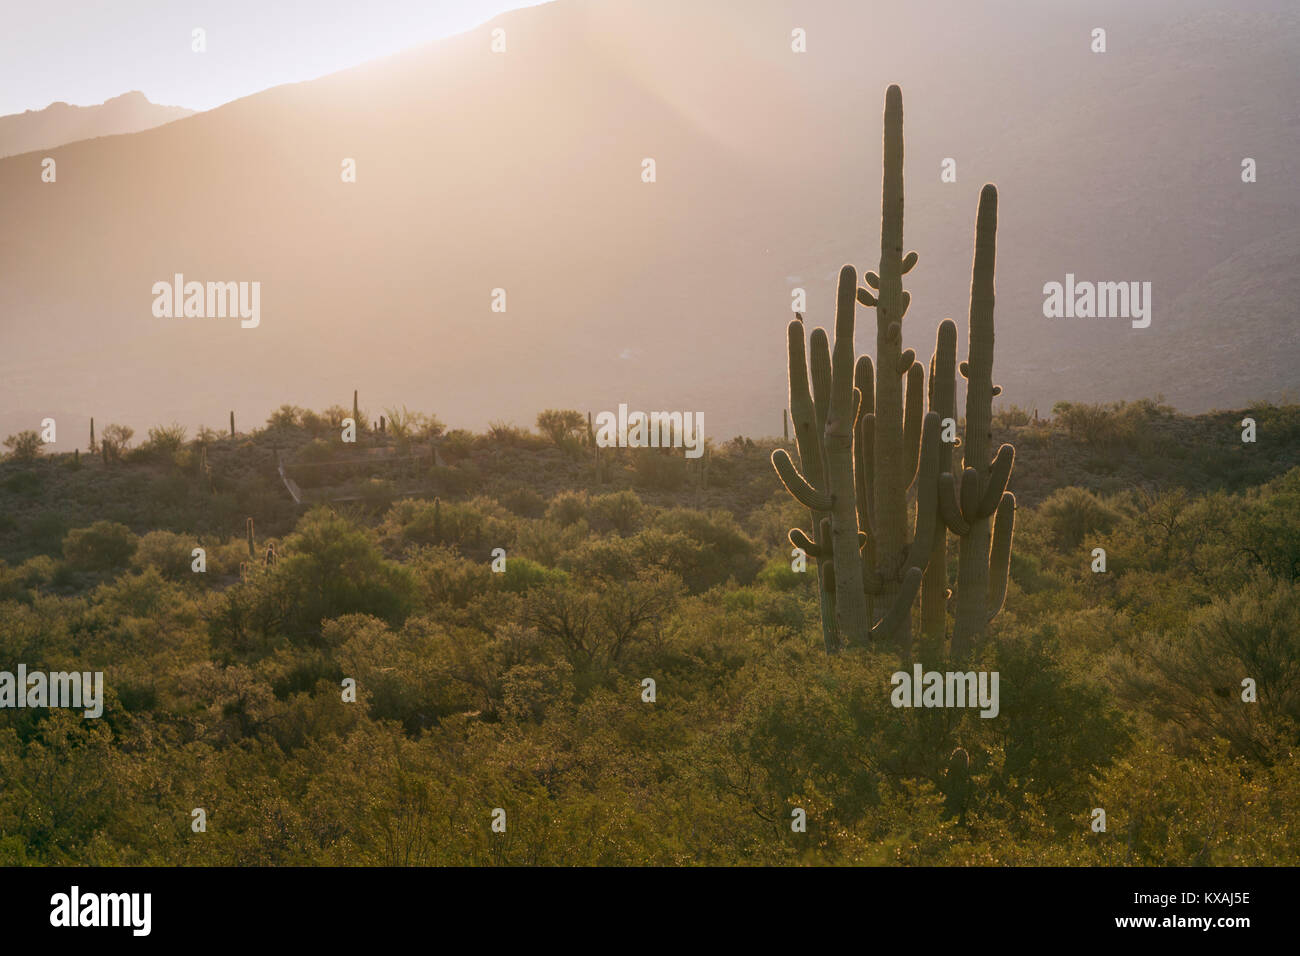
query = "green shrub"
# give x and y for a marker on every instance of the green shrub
(656, 471)
(104, 546)
(27, 483)
(568, 508)
(25, 446)
(562, 426)
(779, 576)
(170, 554)
(166, 440)
(523, 501)
(619, 511)
(1071, 514)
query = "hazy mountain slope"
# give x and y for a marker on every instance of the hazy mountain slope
(61, 123)
(522, 171)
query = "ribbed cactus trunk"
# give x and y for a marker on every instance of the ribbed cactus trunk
(973, 554)
(232, 424)
(943, 402)
(808, 442)
(889, 482)
(850, 598)
(248, 530)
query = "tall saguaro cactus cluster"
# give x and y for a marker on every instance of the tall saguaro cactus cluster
(876, 471)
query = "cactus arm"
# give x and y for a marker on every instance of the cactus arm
(802, 412)
(912, 421)
(826, 572)
(821, 380)
(1000, 555)
(850, 599)
(973, 555)
(864, 383)
(808, 441)
(864, 380)
(927, 496)
(799, 538)
(900, 610)
(863, 447)
(797, 484)
(970, 495)
(999, 473)
(949, 509)
(943, 402)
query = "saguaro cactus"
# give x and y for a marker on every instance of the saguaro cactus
(894, 462)
(865, 446)
(892, 437)
(980, 510)
(248, 530)
(809, 422)
(943, 404)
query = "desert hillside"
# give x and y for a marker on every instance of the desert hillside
(522, 171)
(61, 123)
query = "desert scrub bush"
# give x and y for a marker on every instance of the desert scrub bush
(1266, 528)
(116, 440)
(1071, 514)
(165, 440)
(26, 483)
(548, 541)
(522, 501)
(468, 526)
(457, 444)
(565, 427)
(444, 578)
(568, 508)
(656, 471)
(1110, 426)
(506, 433)
(619, 511)
(168, 553)
(25, 446)
(407, 426)
(37, 572)
(330, 567)
(453, 481)
(317, 451)
(45, 532)
(530, 692)
(286, 416)
(777, 575)
(1011, 416)
(1196, 675)
(378, 493)
(725, 550)
(104, 546)
(521, 574)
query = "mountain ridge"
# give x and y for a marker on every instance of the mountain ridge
(522, 171)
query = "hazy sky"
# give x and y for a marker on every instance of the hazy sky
(85, 51)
